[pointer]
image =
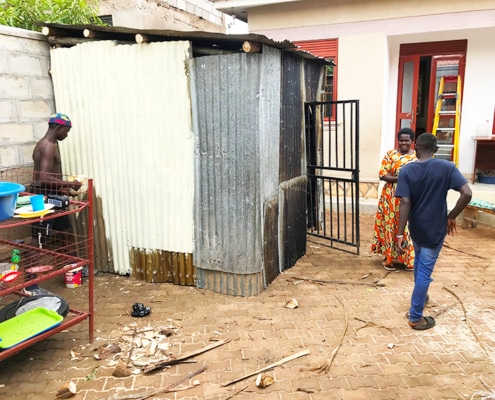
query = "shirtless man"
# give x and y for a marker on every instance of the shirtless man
(47, 176)
(47, 179)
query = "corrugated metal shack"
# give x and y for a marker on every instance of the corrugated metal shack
(195, 142)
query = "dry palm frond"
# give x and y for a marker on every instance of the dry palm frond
(484, 395)
(467, 320)
(324, 368)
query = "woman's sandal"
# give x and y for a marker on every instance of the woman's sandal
(423, 324)
(388, 267)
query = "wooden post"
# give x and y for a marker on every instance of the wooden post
(141, 38)
(251, 47)
(47, 31)
(91, 34)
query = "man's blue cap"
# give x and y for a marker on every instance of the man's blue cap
(60, 119)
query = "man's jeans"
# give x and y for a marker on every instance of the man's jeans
(424, 261)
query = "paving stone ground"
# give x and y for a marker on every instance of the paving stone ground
(354, 325)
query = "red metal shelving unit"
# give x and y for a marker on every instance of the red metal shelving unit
(74, 253)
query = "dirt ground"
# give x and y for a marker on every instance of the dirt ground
(348, 334)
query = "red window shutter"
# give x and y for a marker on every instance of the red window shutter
(326, 48)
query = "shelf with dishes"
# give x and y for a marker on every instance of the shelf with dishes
(33, 252)
(23, 213)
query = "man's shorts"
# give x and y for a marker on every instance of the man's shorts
(46, 227)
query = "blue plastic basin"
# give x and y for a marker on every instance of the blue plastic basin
(8, 198)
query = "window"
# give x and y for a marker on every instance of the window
(329, 92)
(328, 49)
(106, 19)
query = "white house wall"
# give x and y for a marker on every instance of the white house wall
(313, 15)
(143, 167)
(479, 100)
(368, 59)
(362, 61)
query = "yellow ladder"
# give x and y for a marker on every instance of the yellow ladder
(447, 119)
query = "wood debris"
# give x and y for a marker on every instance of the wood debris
(292, 304)
(466, 319)
(121, 370)
(237, 392)
(309, 391)
(326, 366)
(268, 367)
(67, 391)
(263, 381)
(138, 346)
(107, 351)
(320, 281)
(142, 395)
(171, 360)
(372, 324)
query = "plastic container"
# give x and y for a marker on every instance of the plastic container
(9, 191)
(31, 323)
(486, 179)
(37, 202)
(73, 278)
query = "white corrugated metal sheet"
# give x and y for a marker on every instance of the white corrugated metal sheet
(132, 133)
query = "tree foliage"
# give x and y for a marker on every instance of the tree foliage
(25, 13)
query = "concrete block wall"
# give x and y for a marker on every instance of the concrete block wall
(26, 94)
(201, 8)
(181, 15)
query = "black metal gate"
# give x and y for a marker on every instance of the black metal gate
(332, 150)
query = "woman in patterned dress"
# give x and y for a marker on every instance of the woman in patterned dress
(387, 214)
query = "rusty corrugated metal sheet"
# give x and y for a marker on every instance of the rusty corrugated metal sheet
(301, 82)
(134, 136)
(293, 220)
(236, 103)
(271, 254)
(291, 129)
(163, 266)
(229, 283)
(226, 89)
(314, 81)
(132, 132)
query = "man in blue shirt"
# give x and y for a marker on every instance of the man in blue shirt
(423, 187)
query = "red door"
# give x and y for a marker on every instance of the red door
(419, 65)
(407, 102)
